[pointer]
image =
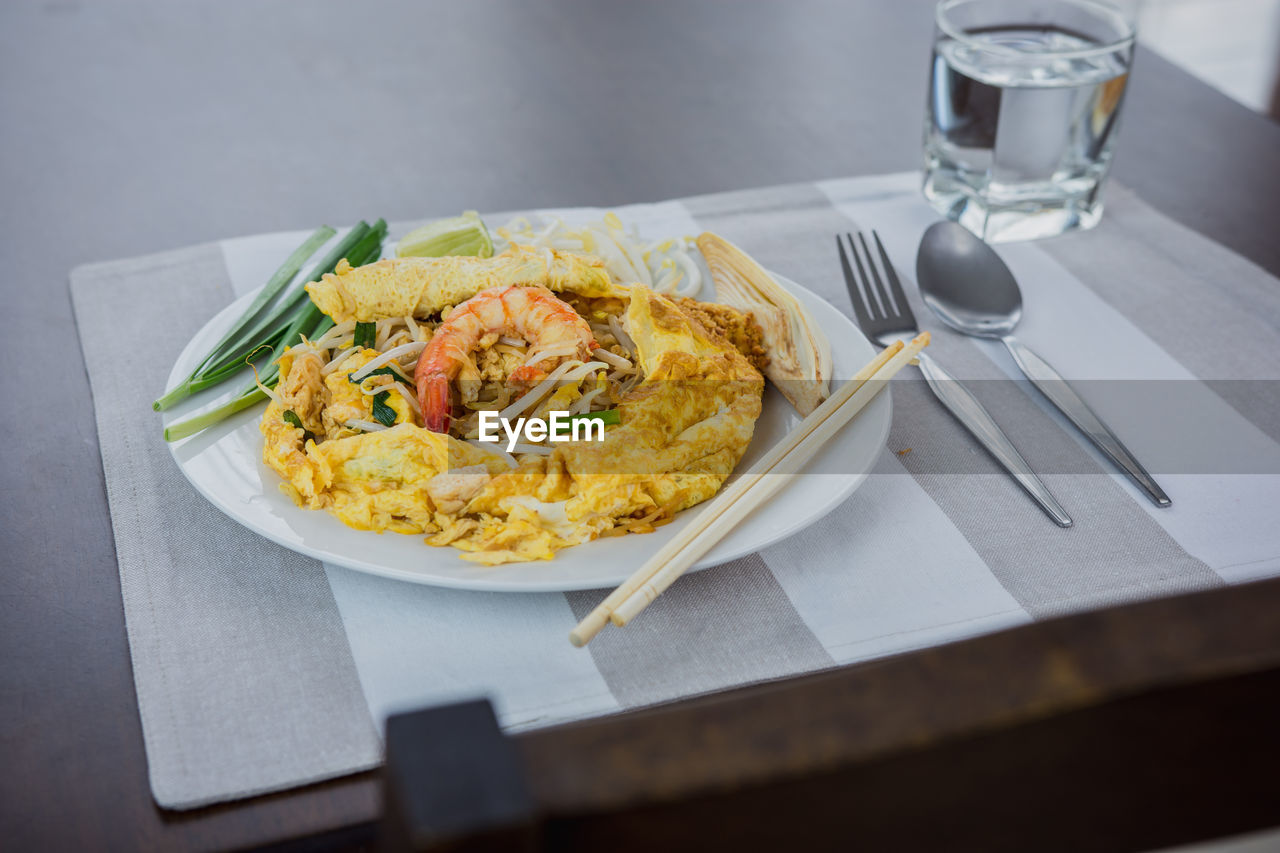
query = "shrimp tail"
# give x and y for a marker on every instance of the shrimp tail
(433, 396)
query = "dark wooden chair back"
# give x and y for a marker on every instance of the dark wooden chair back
(1132, 728)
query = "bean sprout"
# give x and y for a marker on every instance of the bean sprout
(611, 358)
(384, 328)
(270, 392)
(583, 403)
(367, 426)
(665, 266)
(496, 451)
(396, 353)
(413, 328)
(342, 356)
(331, 338)
(550, 352)
(621, 334)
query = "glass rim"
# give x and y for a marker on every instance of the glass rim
(1107, 10)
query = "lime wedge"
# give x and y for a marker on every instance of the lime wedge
(457, 235)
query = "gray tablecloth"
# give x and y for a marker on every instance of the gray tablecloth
(258, 669)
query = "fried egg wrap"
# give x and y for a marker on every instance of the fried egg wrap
(421, 287)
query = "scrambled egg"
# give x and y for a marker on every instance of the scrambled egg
(682, 431)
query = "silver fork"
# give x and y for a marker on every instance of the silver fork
(884, 316)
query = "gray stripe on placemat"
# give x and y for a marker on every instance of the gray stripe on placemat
(244, 677)
(1153, 270)
(1116, 552)
(711, 630)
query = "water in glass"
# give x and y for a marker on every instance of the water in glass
(1020, 129)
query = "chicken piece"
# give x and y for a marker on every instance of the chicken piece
(302, 389)
(450, 491)
(737, 327)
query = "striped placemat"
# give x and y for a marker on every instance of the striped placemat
(258, 669)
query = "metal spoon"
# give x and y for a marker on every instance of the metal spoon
(969, 287)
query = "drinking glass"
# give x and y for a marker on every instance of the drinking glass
(1024, 102)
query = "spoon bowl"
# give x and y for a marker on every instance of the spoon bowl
(966, 283)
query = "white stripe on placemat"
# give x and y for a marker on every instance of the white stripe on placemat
(887, 572)
(417, 646)
(1219, 314)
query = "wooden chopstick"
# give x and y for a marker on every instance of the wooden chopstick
(598, 618)
(729, 508)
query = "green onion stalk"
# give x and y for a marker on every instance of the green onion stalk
(295, 317)
(231, 347)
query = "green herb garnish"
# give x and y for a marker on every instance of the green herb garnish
(381, 371)
(292, 419)
(608, 417)
(366, 334)
(382, 413)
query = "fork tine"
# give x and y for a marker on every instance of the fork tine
(856, 296)
(895, 284)
(864, 281)
(882, 295)
(870, 282)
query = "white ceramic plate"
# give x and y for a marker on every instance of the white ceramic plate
(225, 464)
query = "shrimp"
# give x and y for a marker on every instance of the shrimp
(532, 313)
